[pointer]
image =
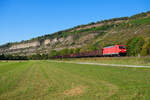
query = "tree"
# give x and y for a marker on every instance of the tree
(44, 56)
(139, 46)
(146, 48)
(2, 57)
(134, 46)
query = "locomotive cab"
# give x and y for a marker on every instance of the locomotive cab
(122, 49)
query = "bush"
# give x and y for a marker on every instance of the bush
(44, 56)
(35, 57)
(52, 53)
(93, 47)
(76, 50)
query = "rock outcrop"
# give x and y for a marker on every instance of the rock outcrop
(25, 45)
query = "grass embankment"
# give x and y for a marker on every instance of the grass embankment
(112, 60)
(44, 80)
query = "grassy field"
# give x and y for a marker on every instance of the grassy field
(113, 60)
(46, 80)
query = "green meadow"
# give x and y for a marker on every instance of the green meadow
(112, 60)
(48, 80)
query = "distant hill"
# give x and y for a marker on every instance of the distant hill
(86, 37)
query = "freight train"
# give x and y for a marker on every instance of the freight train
(110, 51)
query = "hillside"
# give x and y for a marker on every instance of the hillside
(86, 37)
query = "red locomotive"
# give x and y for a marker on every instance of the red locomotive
(117, 50)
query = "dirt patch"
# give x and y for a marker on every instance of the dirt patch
(75, 91)
(113, 89)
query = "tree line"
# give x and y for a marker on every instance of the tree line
(12, 57)
(138, 45)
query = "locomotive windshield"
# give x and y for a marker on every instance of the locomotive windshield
(122, 47)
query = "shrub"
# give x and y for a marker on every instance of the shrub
(76, 50)
(92, 48)
(52, 53)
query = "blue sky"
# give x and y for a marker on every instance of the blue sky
(25, 19)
